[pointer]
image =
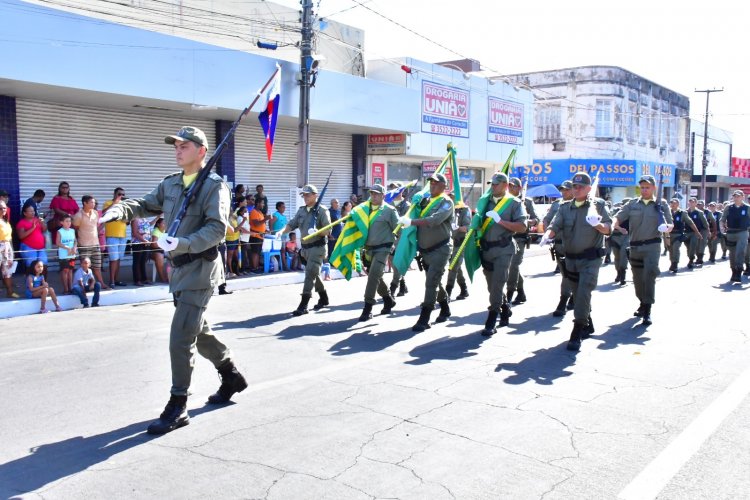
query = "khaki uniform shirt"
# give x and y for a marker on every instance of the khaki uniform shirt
(302, 220)
(438, 227)
(644, 218)
(514, 212)
(462, 218)
(577, 234)
(698, 215)
(380, 231)
(203, 226)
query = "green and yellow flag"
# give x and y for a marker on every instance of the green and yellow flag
(353, 237)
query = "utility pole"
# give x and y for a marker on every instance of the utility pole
(306, 63)
(705, 142)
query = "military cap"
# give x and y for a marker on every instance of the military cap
(192, 134)
(514, 181)
(498, 178)
(647, 178)
(581, 178)
(738, 192)
(566, 185)
(712, 204)
(377, 188)
(394, 185)
(438, 178)
(309, 189)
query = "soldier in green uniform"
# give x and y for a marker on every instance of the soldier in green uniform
(380, 238)
(567, 302)
(308, 220)
(515, 278)
(713, 244)
(582, 222)
(619, 241)
(735, 221)
(697, 242)
(460, 225)
(402, 208)
(647, 222)
(196, 270)
(505, 216)
(434, 243)
(678, 235)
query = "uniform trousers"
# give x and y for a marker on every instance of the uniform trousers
(566, 288)
(619, 244)
(435, 262)
(496, 267)
(737, 246)
(583, 275)
(456, 273)
(675, 243)
(375, 283)
(315, 257)
(515, 279)
(644, 261)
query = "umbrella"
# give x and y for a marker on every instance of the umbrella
(548, 190)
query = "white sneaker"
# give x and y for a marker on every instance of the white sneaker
(231, 275)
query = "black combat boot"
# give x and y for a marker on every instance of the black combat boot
(232, 382)
(448, 291)
(673, 268)
(736, 278)
(646, 318)
(571, 303)
(174, 416)
(574, 344)
(639, 312)
(712, 257)
(622, 276)
(322, 301)
(560, 311)
(445, 312)
(464, 293)
(388, 303)
(509, 295)
(223, 290)
(402, 290)
(505, 314)
(588, 329)
(302, 307)
(690, 264)
(423, 323)
(520, 297)
(699, 261)
(394, 287)
(366, 312)
(489, 325)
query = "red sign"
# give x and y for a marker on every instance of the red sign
(377, 173)
(384, 144)
(429, 167)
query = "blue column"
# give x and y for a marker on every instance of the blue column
(9, 154)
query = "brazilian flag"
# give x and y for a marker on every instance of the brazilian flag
(352, 238)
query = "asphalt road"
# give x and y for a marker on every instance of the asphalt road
(340, 409)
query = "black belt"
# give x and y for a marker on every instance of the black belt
(644, 242)
(375, 247)
(521, 236)
(502, 243)
(186, 258)
(321, 242)
(588, 254)
(434, 247)
(733, 231)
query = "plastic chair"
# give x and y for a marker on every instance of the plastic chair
(267, 259)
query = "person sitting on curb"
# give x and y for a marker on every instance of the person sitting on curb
(84, 281)
(37, 286)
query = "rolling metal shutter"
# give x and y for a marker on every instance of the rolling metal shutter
(328, 151)
(95, 150)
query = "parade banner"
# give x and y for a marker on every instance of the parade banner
(504, 121)
(445, 110)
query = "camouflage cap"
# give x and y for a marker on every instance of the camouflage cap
(647, 178)
(192, 134)
(438, 178)
(309, 189)
(581, 178)
(566, 185)
(515, 181)
(498, 178)
(377, 188)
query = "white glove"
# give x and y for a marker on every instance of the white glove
(663, 228)
(594, 219)
(167, 243)
(312, 230)
(546, 240)
(494, 216)
(404, 221)
(109, 216)
(278, 235)
(454, 226)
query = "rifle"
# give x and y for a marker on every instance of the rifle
(316, 208)
(523, 200)
(592, 195)
(658, 197)
(206, 170)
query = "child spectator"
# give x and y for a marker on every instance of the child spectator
(293, 250)
(233, 242)
(243, 225)
(84, 281)
(6, 253)
(66, 252)
(157, 254)
(37, 287)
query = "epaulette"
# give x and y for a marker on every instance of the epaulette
(173, 174)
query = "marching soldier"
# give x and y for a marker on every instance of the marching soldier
(619, 241)
(434, 243)
(713, 245)
(712, 229)
(646, 226)
(380, 238)
(497, 248)
(678, 235)
(402, 206)
(735, 221)
(558, 252)
(583, 231)
(461, 222)
(313, 252)
(697, 242)
(515, 278)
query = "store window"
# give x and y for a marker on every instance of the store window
(603, 118)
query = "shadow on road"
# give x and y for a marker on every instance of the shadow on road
(629, 332)
(367, 341)
(542, 367)
(448, 348)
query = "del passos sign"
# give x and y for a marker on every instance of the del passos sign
(445, 110)
(611, 172)
(504, 121)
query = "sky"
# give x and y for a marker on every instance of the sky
(683, 46)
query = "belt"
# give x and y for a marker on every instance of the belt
(434, 247)
(645, 242)
(588, 254)
(186, 258)
(375, 247)
(521, 236)
(319, 243)
(733, 231)
(502, 243)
